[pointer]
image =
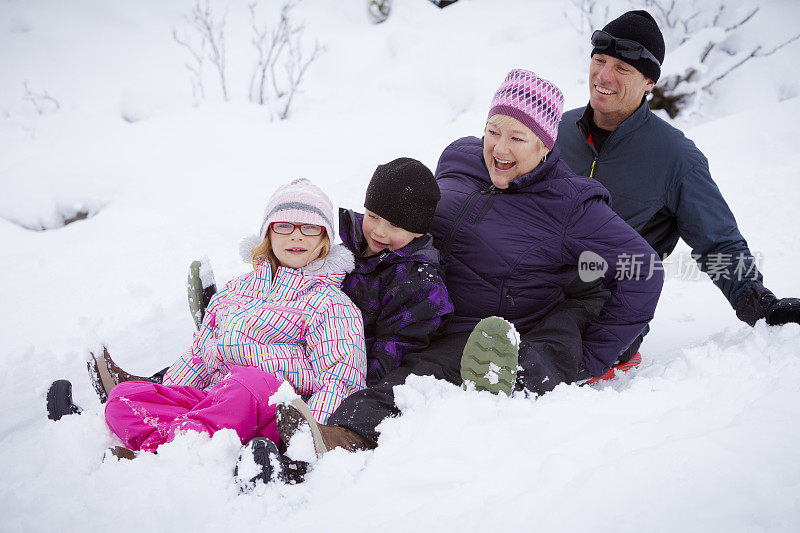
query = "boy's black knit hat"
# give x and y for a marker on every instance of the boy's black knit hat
(404, 192)
(639, 26)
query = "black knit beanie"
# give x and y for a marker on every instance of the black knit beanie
(637, 26)
(404, 192)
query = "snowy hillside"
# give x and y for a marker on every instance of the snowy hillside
(704, 437)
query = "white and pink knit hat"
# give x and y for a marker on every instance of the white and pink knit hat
(299, 201)
(532, 100)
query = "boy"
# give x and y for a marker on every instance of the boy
(397, 281)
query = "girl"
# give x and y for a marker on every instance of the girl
(286, 320)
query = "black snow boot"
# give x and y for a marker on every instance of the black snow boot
(270, 465)
(59, 400)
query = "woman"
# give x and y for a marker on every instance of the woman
(538, 220)
(512, 225)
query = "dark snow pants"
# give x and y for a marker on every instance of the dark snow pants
(550, 353)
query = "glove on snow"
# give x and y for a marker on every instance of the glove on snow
(757, 302)
(784, 311)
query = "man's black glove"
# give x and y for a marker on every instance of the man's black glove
(757, 302)
(784, 311)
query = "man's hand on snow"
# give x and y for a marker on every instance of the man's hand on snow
(757, 302)
(784, 311)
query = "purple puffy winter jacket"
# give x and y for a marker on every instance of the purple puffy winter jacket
(509, 252)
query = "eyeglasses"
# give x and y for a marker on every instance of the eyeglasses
(625, 47)
(287, 228)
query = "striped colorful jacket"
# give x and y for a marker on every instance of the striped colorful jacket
(297, 325)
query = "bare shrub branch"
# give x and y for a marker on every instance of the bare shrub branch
(751, 55)
(267, 43)
(296, 68)
(270, 45)
(718, 57)
(279, 46)
(785, 43)
(743, 21)
(212, 46)
(280, 65)
(666, 13)
(42, 102)
(591, 15)
(195, 68)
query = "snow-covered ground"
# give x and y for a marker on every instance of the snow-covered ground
(704, 437)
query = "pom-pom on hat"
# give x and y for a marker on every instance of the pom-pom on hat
(405, 193)
(532, 100)
(299, 201)
(639, 26)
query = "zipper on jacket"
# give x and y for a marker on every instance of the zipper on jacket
(591, 171)
(445, 251)
(284, 309)
(502, 298)
(493, 191)
(510, 299)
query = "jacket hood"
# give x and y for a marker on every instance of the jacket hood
(334, 266)
(352, 235)
(247, 246)
(338, 260)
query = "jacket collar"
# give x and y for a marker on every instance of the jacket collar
(630, 124)
(352, 235)
(338, 261)
(350, 231)
(330, 270)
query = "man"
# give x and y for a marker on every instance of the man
(659, 180)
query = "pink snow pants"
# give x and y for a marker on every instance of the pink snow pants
(145, 415)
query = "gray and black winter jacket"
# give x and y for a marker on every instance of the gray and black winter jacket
(660, 184)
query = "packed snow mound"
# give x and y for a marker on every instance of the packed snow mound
(663, 444)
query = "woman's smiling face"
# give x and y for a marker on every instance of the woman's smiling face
(510, 149)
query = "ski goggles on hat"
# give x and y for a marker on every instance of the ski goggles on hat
(623, 47)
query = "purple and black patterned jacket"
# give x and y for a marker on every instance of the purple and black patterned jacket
(401, 294)
(510, 252)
